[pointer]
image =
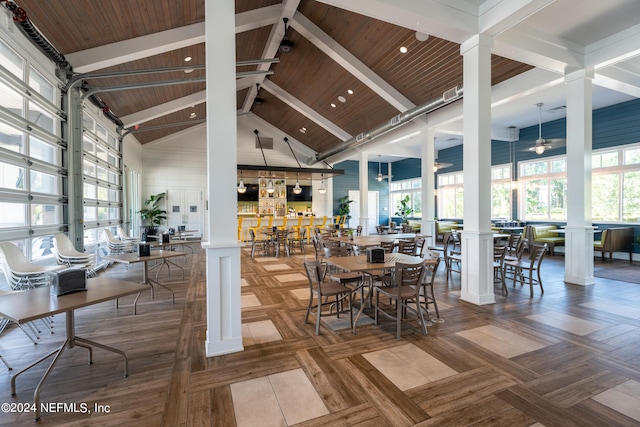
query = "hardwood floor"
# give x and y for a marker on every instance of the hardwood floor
(568, 357)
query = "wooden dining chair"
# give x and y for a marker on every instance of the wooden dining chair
(403, 290)
(525, 267)
(324, 290)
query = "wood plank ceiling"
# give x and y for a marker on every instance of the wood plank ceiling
(427, 70)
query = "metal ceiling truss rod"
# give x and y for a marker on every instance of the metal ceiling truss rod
(93, 90)
(447, 97)
(79, 77)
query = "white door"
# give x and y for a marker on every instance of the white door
(373, 213)
(185, 207)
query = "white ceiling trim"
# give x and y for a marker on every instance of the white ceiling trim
(305, 110)
(432, 17)
(183, 135)
(614, 49)
(257, 18)
(500, 15)
(108, 55)
(619, 79)
(164, 109)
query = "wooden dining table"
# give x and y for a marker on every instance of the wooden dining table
(359, 264)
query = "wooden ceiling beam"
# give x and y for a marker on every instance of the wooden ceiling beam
(350, 63)
(117, 53)
(164, 109)
(305, 110)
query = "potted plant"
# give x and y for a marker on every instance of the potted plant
(151, 215)
(404, 210)
(344, 209)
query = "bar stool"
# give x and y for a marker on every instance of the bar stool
(240, 233)
(310, 228)
(297, 228)
(284, 223)
(256, 229)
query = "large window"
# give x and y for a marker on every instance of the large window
(408, 187)
(451, 194)
(31, 167)
(543, 184)
(616, 185)
(102, 175)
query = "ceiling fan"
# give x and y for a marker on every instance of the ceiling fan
(380, 177)
(541, 144)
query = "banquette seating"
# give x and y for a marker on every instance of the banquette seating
(541, 234)
(618, 239)
(443, 227)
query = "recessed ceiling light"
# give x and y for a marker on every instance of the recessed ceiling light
(403, 49)
(193, 115)
(187, 59)
(188, 70)
(342, 99)
(333, 105)
(303, 130)
(350, 92)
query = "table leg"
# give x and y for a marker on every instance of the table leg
(69, 342)
(362, 303)
(150, 282)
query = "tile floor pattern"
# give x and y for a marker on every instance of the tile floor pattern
(565, 358)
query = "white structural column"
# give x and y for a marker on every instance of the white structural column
(477, 238)
(428, 223)
(579, 232)
(364, 192)
(224, 328)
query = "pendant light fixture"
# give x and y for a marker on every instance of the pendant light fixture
(322, 189)
(241, 187)
(270, 187)
(379, 177)
(297, 189)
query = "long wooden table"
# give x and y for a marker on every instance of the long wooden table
(161, 255)
(360, 264)
(26, 306)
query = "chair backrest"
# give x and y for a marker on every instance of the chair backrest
(110, 237)
(406, 228)
(432, 267)
(13, 259)
(407, 247)
(409, 274)
(315, 273)
(329, 243)
(537, 254)
(420, 241)
(499, 252)
(252, 235)
(387, 245)
(359, 230)
(336, 251)
(379, 229)
(123, 234)
(63, 245)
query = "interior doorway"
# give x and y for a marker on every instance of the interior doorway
(373, 210)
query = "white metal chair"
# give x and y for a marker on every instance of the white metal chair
(122, 235)
(66, 254)
(117, 246)
(20, 273)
